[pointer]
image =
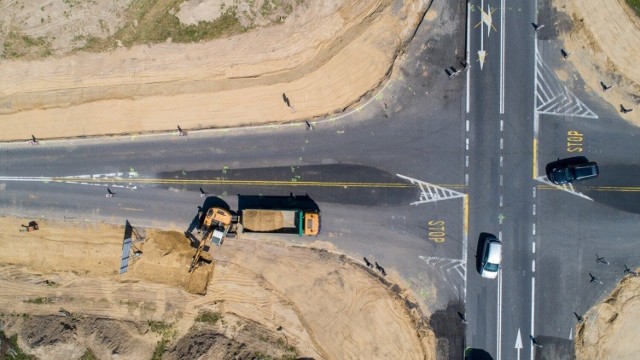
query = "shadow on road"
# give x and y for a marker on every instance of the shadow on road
(449, 330)
(618, 186)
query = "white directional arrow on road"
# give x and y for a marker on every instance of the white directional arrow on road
(485, 18)
(519, 343)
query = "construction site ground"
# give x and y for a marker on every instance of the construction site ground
(259, 297)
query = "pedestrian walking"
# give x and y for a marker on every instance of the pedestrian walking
(462, 318)
(534, 341)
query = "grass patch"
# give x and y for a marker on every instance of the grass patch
(15, 353)
(39, 301)
(152, 21)
(635, 5)
(161, 348)
(18, 45)
(209, 317)
(88, 355)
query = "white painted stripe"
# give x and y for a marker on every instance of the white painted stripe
(533, 266)
(534, 210)
(502, 36)
(466, 179)
(500, 200)
(499, 319)
(501, 161)
(501, 125)
(466, 161)
(533, 228)
(25, 178)
(533, 247)
(500, 235)
(501, 179)
(466, 142)
(534, 192)
(468, 58)
(533, 306)
(467, 125)
(501, 143)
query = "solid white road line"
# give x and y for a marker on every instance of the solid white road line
(468, 58)
(502, 35)
(533, 306)
(499, 319)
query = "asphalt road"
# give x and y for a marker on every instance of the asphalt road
(469, 134)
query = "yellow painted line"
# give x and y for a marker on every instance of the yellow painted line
(535, 158)
(598, 188)
(247, 182)
(465, 225)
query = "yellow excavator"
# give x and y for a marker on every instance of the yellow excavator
(215, 227)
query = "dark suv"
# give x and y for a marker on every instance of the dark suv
(571, 170)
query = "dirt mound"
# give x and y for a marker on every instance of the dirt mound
(64, 337)
(199, 279)
(605, 42)
(250, 341)
(609, 330)
(262, 220)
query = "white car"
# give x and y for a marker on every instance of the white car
(491, 258)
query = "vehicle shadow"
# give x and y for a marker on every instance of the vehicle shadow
(617, 187)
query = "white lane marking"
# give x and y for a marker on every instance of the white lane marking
(25, 178)
(468, 60)
(499, 320)
(500, 200)
(501, 161)
(533, 247)
(500, 235)
(464, 252)
(467, 126)
(533, 228)
(466, 143)
(533, 266)
(466, 179)
(501, 125)
(466, 161)
(534, 192)
(534, 210)
(533, 305)
(501, 143)
(502, 35)
(501, 181)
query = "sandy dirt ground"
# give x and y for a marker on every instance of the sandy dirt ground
(321, 304)
(325, 56)
(610, 329)
(604, 43)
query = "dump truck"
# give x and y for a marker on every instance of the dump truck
(296, 221)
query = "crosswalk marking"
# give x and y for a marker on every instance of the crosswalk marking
(565, 187)
(430, 192)
(553, 98)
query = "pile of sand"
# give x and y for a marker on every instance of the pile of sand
(262, 220)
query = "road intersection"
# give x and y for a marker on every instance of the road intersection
(409, 180)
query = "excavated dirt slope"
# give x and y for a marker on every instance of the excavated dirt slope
(308, 301)
(324, 57)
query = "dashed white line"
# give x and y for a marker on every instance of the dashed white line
(533, 228)
(533, 266)
(534, 192)
(501, 180)
(466, 161)
(467, 126)
(466, 179)
(501, 200)
(501, 143)
(533, 247)
(500, 235)
(534, 210)
(501, 161)
(466, 141)
(468, 59)
(501, 125)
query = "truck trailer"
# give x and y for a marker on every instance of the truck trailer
(296, 221)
